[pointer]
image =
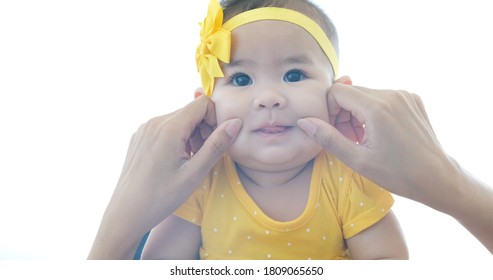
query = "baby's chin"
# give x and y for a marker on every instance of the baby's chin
(273, 161)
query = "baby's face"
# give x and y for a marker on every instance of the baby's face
(277, 75)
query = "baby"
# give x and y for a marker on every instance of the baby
(276, 194)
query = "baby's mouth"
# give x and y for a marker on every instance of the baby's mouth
(273, 130)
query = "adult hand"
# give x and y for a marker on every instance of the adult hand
(386, 136)
(167, 159)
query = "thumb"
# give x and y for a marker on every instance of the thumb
(215, 146)
(331, 139)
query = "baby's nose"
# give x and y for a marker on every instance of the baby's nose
(269, 100)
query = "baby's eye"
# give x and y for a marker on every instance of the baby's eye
(294, 76)
(241, 80)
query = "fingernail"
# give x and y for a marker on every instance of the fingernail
(348, 82)
(309, 127)
(233, 127)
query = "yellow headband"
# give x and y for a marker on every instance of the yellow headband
(215, 38)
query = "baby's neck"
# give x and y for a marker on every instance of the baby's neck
(273, 179)
(282, 195)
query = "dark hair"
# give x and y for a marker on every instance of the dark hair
(233, 7)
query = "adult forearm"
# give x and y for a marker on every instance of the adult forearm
(452, 190)
(114, 240)
(475, 209)
(107, 248)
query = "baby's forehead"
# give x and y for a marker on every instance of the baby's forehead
(286, 26)
(266, 32)
(280, 41)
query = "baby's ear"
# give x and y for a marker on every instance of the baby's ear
(344, 80)
(198, 92)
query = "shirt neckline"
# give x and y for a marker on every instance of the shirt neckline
(256, 212)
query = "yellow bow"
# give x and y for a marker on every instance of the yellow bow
(215, 45)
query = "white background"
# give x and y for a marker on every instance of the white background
(77, 78)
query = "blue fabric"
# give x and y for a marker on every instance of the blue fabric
(138, 253)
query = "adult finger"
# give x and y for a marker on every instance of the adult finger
(214, 148)
(331, 139)
(356, 102)
(192, 115)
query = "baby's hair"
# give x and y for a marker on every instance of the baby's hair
(233, 7)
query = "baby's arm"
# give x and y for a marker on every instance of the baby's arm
(173, 239)
(383, 240)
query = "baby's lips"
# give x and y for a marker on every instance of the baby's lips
(273, 129)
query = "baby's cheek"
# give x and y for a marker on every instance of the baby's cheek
(219, 109)
(324, 112)
(224, 112)
(323, 107)
(316, 107)
(228, 106)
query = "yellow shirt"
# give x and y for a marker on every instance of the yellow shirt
(341, 204)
